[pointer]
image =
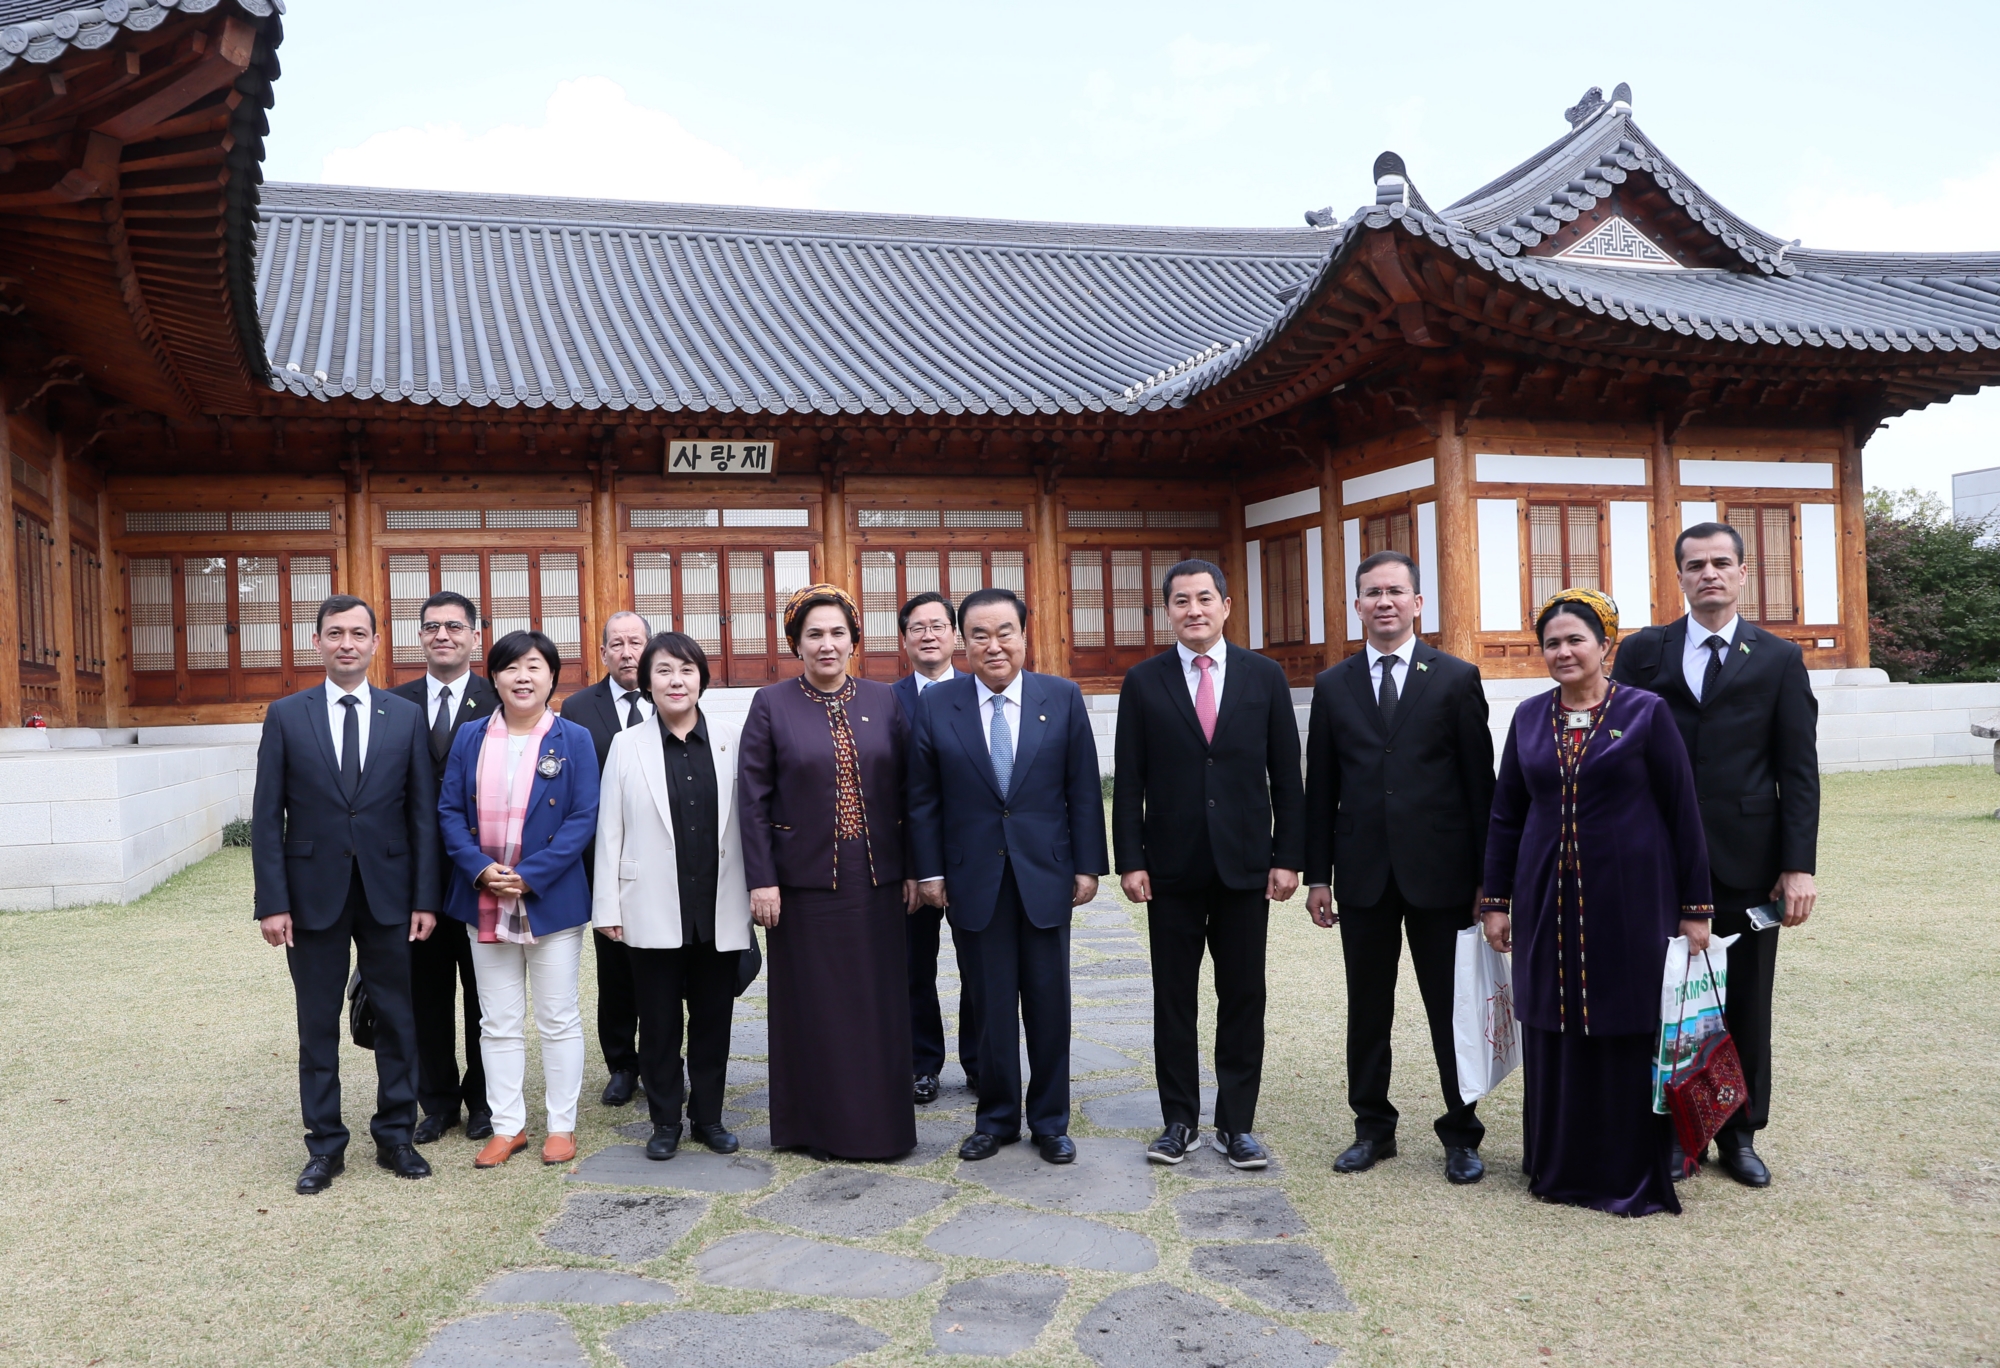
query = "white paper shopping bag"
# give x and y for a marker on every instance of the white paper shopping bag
(1483, 1028)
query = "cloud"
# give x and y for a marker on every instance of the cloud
(593, 142)
(1959, 217)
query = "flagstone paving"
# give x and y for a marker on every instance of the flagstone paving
(736, 1242)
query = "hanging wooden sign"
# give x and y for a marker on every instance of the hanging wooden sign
(693, 456)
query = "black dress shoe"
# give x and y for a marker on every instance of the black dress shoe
(1243, 1149)
(1056, 1149)
(925, 1090)
(1462, 1165)
(665, 1142)
(1678, 1165)
(1176, 1142)
(319, 1173)
(432, 1128)
(980, 1145)
(972, 1084)
(619, 1090)
(1363, 1155)
(479, 1126)
(716, 1136)
(402, 1160)
(1744, 1166)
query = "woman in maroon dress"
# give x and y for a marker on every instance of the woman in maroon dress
(1594, 861)
(820, 783)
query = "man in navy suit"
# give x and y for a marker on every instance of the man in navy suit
(1007, 835)
(451, 695)
(930, 635)
(344, 845)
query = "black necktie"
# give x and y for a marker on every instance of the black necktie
(441, 728)
(1388, 696)
(350, 745)
(1716, 646)
(634, 717)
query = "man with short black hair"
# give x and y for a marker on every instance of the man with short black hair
(1209, 825)
(451, 695)
(611, 705)
(929, 630)
(344, 845)
(1399, 791)
(1745, 707)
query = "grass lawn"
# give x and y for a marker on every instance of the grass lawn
(149, 1138)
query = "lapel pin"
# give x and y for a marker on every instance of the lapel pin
(864, 719)
(1744, 647)
(550, 766)
(1425, 668)
(1615, 734)
(1043, 718)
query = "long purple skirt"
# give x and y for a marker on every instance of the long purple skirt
(1590, 1133)
(840, 1021)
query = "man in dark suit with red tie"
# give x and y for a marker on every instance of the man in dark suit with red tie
(1208, 823)
(1745, 707)
(451, 695)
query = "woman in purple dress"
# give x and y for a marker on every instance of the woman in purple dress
(1595, 860)
(820, 788)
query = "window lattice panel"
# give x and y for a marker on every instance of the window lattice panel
(897, 517)
(765, 517)
(169, 520)
(676, 517)
(432, 519)
(517, 519)
(274, 520)
(152, 585)
(983, 517)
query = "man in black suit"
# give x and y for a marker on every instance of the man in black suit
(929, 630)
(344, 845)
(1746, 709)
(1007, 834)
(1399, 789)
(450, 695)
(606, 708)
(1208, 821)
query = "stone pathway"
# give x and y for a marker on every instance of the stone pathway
(769, 1258)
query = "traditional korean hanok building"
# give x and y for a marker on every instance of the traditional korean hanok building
(224, 400)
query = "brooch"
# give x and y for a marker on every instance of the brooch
(550, 766)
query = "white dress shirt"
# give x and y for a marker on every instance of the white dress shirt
(434, 687)
(336, 717)
(1399, 660)
(924, 681)
(1694, 655)
(1219, 653)
(624, 709)
(1009, 699)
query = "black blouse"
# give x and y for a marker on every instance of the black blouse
(691, 793)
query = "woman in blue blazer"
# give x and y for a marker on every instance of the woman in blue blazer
(517, 808)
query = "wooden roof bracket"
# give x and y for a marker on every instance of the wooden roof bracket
(1379, 251)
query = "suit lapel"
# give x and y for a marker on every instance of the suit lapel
(1174, 680)
(1034, 709)
(1236, 678)
(378, 727)
(654, 763)
(1734, 661)
(722, 745)
(966, 715)
(555, 742)
(322, 730)
(1357, 681)
(1668, 673)
(473, 705)
(1417, 678)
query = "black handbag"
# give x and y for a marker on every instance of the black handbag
(749, 964)
(360, 1013)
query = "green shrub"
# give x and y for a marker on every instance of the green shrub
(1933, 589)
(237, 833)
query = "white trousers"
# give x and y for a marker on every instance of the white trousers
(507, 973)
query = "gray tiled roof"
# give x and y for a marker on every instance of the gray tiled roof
(480, 299)
(42, 30)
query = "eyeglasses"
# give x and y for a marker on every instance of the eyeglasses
(445, 628)
(929, 629)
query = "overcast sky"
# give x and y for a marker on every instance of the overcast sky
(1844, 124)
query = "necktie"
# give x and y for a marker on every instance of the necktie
(1002, 738)
(1716, 646)
(441, 727)
(1204, 696)
(350, 745)
(1389, 696)
(633, 717)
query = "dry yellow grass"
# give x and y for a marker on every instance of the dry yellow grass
(149, 1137)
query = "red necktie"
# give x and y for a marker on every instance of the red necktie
(1204, 697)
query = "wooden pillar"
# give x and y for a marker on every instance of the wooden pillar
(607, 568)
(1333, 563)
(835, 567)
(1048, 620)
(64, 587)
(111, 606)
(1667, 602)
(1237, 629)
(1853, 551)
(360, 569)
(1458, 544)
(10, 589)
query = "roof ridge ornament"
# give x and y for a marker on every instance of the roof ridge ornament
(1394, 187)
(1586, 107)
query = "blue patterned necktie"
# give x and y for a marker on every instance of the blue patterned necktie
(1002, 738)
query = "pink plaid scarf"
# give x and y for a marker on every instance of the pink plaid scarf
(501, 818)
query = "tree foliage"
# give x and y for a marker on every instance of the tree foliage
(1933, 589)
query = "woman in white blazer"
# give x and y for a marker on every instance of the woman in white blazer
(669, 884)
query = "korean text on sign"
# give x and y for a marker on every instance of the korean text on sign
(720, 458)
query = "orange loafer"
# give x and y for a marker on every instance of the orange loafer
(500, 1149)
(558, 1148)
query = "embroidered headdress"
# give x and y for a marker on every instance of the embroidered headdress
(814, 596)
(1600, 604)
